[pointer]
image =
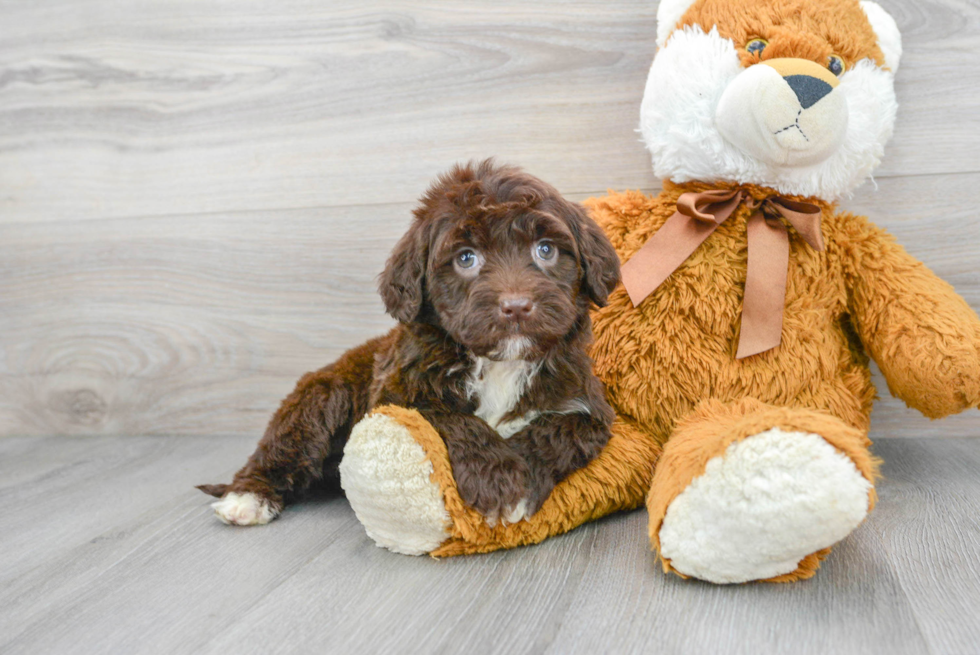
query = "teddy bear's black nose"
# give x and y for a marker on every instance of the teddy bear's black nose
(808, 89)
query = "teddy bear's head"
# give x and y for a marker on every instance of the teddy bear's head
(796, 95)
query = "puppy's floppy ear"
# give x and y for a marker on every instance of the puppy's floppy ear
(402, 283)
(600, 262)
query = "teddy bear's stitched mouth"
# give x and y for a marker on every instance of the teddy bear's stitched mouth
(796, 124)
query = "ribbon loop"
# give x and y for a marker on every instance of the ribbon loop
(709, 206)
(696, 217)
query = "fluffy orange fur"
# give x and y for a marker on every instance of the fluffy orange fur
(677, 348)
(864, 293)
(793, 28)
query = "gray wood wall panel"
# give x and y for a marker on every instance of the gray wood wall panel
(195, 197)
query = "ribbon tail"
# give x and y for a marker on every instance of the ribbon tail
(663, 254)
(765, 286)
(805, 219)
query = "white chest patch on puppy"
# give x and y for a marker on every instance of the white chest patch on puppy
(497, 387)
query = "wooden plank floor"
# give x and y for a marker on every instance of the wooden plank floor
(107, 549)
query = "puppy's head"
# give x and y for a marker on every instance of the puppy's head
(499, 260)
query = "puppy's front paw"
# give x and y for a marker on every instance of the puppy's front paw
(538, 491)
(244, 509)
(498, 490)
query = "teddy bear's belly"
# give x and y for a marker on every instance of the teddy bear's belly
(677, 348)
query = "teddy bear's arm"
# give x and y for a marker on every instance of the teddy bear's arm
(924, 337)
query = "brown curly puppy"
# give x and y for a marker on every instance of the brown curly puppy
(492, 287)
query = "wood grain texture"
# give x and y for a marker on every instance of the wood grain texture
(933, 542)
(196, 196)
(108, 549)
(183, 106)
(191, 325)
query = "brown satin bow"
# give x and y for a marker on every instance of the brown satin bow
(697, 216)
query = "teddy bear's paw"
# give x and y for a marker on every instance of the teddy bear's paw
(760, 508)
(244, 509)
(386, 476)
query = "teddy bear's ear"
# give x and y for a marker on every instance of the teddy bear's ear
(889, 38)
(669, 14)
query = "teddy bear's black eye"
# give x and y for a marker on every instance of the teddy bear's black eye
(836, 65)
(756, 46)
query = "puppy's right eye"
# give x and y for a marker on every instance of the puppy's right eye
(466, 261)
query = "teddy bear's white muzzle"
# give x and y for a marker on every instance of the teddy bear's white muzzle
(784, 113)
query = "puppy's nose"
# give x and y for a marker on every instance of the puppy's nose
(808, 80)
(515, 308)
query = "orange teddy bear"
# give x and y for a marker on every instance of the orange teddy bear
(736, 355)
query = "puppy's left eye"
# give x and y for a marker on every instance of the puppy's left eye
(545, 251)
(466, 259)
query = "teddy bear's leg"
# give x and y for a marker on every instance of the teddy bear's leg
(747, 491)
(398, 479)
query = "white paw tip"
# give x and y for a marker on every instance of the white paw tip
(243, 509)
(510, 515)
(761, 507)
(518, 512)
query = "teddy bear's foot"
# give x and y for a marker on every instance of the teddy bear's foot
(731, 502)
(387, 477)
(761, 507)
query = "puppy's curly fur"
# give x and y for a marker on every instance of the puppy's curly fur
(492, 287)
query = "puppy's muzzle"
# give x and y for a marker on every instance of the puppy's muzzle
(785, 112)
